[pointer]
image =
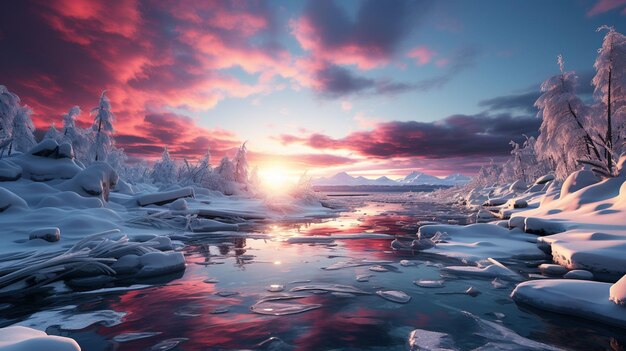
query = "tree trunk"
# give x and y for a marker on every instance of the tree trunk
(609, 129)
(98, 136)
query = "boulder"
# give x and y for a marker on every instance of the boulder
(542, 226)
(96, 180)
(552, 269)
(579, 274)
(544, 179)
(46, 148)
(50, 234)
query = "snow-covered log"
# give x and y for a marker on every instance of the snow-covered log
(164, 197)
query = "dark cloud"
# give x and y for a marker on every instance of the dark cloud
(523, 101)
(376, 31)
(456, 136)
(526, 101)
(336, 81)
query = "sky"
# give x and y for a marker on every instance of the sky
(372, 87)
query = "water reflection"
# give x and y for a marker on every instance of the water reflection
(191, 313)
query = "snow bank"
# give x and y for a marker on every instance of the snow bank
(579, 298)
(26, 339)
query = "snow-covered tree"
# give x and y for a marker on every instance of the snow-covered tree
(563, 136)
(226, 169)
(164, 171)
(197, 173)
(103, 127)
(9, 105)
(241, 164)
(75, 135)
(609, 117)
(524, 163)
(23, 129)
(53, 133)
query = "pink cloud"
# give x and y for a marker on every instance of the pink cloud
(602, 6)
(422, 55)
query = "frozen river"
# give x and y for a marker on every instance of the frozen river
(260, 291)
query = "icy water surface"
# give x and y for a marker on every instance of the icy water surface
(268, 294)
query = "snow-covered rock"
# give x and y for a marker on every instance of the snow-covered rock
(9, 171)
(580, 274)
(518, 186)
(66, 151)
(552, 269)
(96, 180)
(160, 263)
(544, 179)
(617, 293)
(164, 197)
(580, 298)
(45, 168)
(46, 148)
(17, 338)
(50, 234)
(542, 226)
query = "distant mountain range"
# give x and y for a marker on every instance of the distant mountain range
(415, 178)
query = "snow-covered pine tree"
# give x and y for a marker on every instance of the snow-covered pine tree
(164, 171)
(103, 128)
(609, 117)
(563, 136)
(241, 165)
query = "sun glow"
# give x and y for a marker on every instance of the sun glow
(276, 177)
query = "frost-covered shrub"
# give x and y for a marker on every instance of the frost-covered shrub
(164, 171)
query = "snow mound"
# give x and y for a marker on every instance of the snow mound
(9, 171)
(579, 298)
(8, 200)
(578, 180)
(18, 338)
(44, 162)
